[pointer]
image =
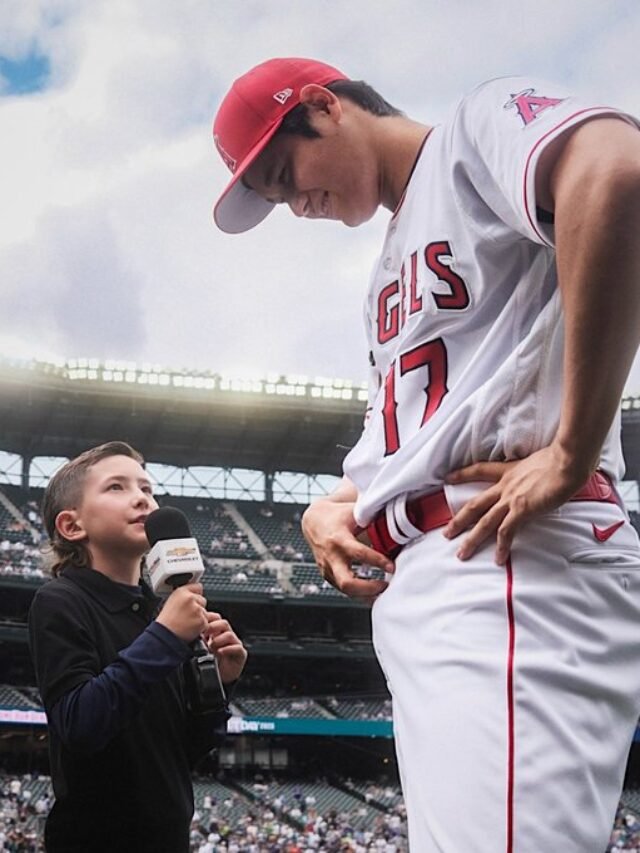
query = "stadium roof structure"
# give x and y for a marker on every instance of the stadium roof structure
(178, 418)
(190, 419)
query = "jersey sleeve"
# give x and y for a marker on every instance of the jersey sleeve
(504, 127)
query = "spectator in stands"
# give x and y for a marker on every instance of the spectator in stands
(122, 740)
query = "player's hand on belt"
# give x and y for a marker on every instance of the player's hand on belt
(522, 489)
(331, 531)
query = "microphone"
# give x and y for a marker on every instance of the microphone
(174, 558)
(173, 561)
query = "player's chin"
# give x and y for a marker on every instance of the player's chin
(352, 219)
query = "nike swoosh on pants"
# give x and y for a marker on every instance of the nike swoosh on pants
(602, 534)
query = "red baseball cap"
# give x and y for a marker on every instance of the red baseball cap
(247, 119)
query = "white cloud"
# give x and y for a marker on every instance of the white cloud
(112, 175)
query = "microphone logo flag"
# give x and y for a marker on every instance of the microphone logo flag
(171, 557)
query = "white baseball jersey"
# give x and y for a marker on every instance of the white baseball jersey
(463, 312)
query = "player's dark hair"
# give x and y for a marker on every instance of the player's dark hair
(296, 122)
(64, 491)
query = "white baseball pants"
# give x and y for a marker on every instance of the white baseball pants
(516, 690)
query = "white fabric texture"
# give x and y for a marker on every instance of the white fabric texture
(442, 634)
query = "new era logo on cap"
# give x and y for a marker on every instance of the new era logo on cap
(283, 95)
(247, 119)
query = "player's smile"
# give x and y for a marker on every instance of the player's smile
(315, 177)
(272, 177)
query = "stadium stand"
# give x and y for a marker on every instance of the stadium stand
(301, 708)
(241, 580)
(323, 707)
(625, 835)
(278, 526)
(11, 697)
(631, 799)
(217, 533)
(311, 657)
(245, 559)
(233, 814)
(359, 708)
(306, 581)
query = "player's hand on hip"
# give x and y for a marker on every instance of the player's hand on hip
(330, 529)
(521, 490)
(223, 642)
(184, 612)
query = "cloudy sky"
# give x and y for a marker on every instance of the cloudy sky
(108, 172)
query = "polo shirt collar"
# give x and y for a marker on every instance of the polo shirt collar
(111, 595)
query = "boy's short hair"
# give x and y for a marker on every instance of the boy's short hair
(296, 121)
(64, 491)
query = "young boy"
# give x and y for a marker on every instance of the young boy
(108, 664)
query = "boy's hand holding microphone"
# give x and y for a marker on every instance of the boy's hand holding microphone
(185, 612)
(175, 567)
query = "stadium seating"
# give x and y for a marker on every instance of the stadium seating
(326, 707)
(237, 810)
(281, 708)
(228, 534)
(278, 526)
(12, 697)
(631, 799)
(378, 792)
(303, 799)
(300, 810)
(359, 708)
(217, 533)
(307, 581)
(214, 799)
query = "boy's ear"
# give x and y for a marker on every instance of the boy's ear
(69, 527)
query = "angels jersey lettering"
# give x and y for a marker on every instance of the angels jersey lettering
(463, 311)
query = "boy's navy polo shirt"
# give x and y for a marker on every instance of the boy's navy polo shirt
(134, 793)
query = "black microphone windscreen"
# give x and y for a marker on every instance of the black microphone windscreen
(167, 522)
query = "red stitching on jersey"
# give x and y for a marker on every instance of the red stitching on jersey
(536, 146)
(510, 707)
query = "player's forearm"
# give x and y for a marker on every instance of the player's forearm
(597, 209)
(345, 492)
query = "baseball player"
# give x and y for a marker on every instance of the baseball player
(502, 316)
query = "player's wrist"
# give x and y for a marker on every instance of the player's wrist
(573, 462)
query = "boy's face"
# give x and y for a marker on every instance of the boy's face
(332, 176)
(116, 499)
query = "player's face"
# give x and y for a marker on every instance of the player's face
(332, 176)
(116, 499)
